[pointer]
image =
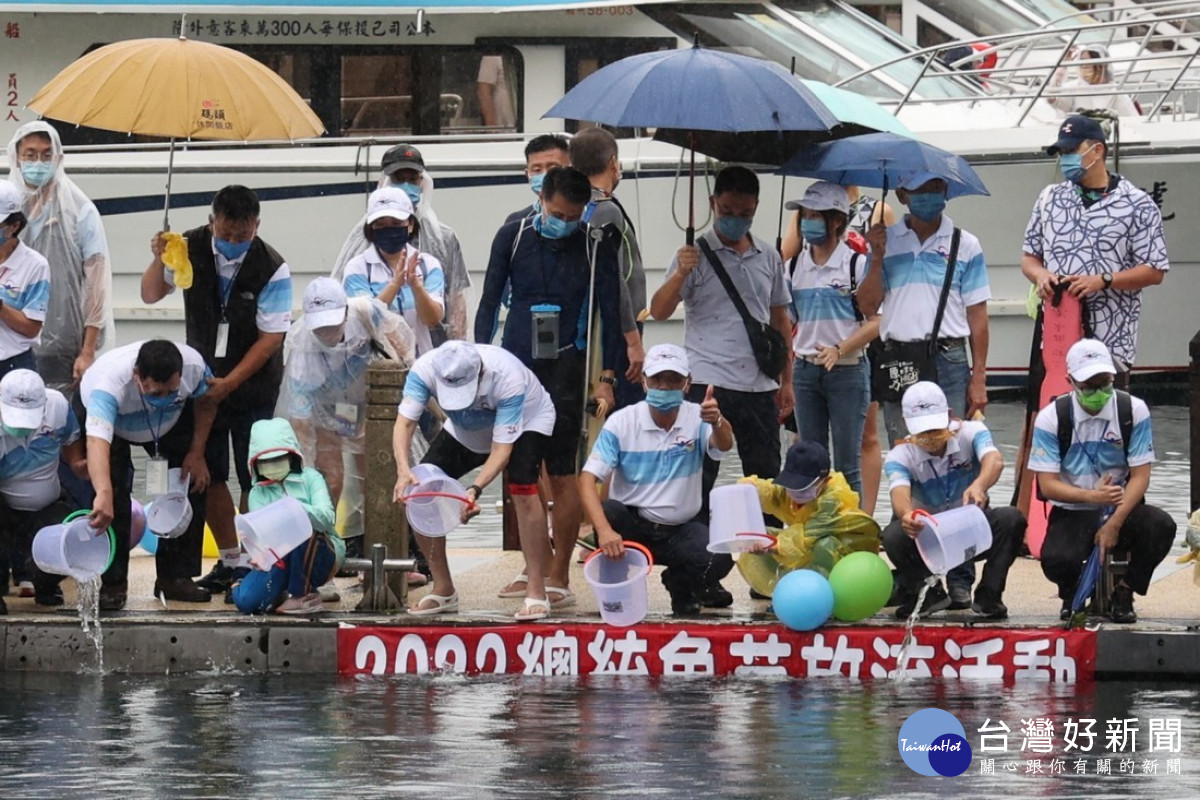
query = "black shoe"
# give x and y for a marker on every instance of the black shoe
(1121, 606)
(758, 595)
(688, 607)
(218, 579)
(182, 589)
(936, 600)
(988, 604)
(238, 574)
(899, 592)
(47, 596)
(960, 597)
(354, 549)
(3, 607)
(1064, 613)
(716, 596)
(112, 597)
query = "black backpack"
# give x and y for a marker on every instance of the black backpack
(1066, 426)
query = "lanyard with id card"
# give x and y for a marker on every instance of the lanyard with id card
(156, 476)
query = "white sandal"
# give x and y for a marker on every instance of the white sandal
(535, 608)
(512, 594)
(560, 596)
(442, 605)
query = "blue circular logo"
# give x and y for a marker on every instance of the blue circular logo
(933, 742)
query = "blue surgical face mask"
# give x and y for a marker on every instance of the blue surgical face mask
(813, 230)
(160, 403)
(413, 191)
(1071, 165)
(733, 228)
(390, 240)
(553, 227)
(37, 173)
(536, 181)
(927, 205)
(664, 399)
(232, 251)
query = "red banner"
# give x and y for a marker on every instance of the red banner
(718, 650)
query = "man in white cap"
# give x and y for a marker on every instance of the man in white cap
(404, 279)
(37, 428)
(945, 464)
(652, 455)
(497, 416)
(1092, 450)
(931, 310)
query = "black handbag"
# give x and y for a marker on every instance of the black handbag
(771, 349)
(904, 363)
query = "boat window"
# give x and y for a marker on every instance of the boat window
(376, 95)
(479, 92)
(585, 56)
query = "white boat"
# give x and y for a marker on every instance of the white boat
(379, 73)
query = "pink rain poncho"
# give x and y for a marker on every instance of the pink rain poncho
(65, 227)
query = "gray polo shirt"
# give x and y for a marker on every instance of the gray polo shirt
(715, 338)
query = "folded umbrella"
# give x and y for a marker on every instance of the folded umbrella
(1087, 581)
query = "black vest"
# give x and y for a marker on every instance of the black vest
(202, 314)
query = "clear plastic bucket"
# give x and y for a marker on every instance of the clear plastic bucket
(620, 584)
(953, 537)
(73, 549)
(169, 515)
(273, 531)
(736, 520)
(434, 505)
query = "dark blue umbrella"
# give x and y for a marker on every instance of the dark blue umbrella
(731, 107)
(1087, 580)
(880, 160)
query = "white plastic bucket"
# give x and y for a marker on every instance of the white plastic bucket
(176, 483)
(169, 515)
(434, 514)
(273, 531)
(736, 520)
(620, 584)
(73, 549)
(953, 537)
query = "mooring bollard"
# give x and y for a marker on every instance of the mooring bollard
(376, 566)
(384, 522)
(1194, 405)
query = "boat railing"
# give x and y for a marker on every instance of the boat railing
(1160, 65)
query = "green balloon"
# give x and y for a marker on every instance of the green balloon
(862, 583)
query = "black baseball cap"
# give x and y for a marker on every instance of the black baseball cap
(1074, 131)
(804, 465)
(403, 156)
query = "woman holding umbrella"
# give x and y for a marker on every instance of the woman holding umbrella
(831, 375)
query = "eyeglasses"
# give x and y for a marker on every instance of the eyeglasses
(30, 155)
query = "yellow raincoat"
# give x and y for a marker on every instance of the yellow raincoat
(817, 535)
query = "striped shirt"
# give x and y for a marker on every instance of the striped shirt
(509, 401)
(821, 297)
(24, 286)
(913, 275)
(657, 471)
(115, 406)
(938, 482)
(1096, 447)
(29, 465)
(367, 274)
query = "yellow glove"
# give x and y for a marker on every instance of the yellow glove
(175, 257)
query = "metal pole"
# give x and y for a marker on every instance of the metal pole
(1194, 404)
(167, 197)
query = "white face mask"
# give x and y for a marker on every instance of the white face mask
(276, 469)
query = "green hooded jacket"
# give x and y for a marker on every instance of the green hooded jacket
(270, 438)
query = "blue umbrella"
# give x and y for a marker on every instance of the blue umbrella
(731, 107)
(1087, 581)
(880, 160)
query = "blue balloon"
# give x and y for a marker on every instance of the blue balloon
(803, 600)
(149, 541)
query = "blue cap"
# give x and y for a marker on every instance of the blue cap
(805, 464)
(1074, 131)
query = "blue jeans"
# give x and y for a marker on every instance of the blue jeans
(954, 373)
(260, 592)
(834, 402)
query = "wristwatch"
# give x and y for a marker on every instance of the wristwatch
(1107, 278)
(477, 489)
(609, 379)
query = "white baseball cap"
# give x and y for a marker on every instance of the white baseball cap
(1088, 358)
(10, 200)
(822, 196)
(666, 357)
(925, 408)
(22, 399)
(917, 178)
(324, 304)
(456, 369)
(389, 201)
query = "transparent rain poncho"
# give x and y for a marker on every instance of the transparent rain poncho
(65, 227)
(817, 534)
(433, 237)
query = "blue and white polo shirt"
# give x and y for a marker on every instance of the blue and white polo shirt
(913, 274)
(273, 312)
(657, 471)
(367, 274)
(510, 400)
(24, 286)
(1096, 447)
(822, 301)
(115, 406)
(29, 465)
(938, 482)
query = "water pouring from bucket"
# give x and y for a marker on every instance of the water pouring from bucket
(434, 505)
(273, 531)
(620, 584)
(74, 548)
(953, 537)
(736, 520)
